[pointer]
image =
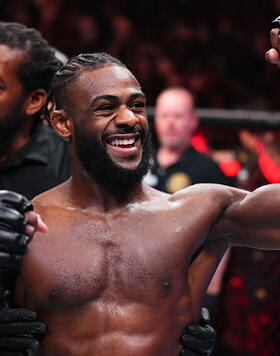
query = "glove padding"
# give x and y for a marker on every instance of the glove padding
(20, 330)
(275, 23)
(198, 339)
(13, 241)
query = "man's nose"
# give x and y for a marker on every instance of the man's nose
(126, 117)
(170, 119)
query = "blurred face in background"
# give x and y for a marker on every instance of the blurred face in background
(175, 121)
(12, 96)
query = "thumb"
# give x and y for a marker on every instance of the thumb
(41, 226)
(35, 223)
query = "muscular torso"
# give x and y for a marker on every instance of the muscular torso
(119, 283)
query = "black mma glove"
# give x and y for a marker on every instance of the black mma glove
(20, 330)
(198, 339)
(13, 241)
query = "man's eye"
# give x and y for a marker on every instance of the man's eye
(138, 105)
(105, 107)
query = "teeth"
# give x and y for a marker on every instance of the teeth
(123, 142)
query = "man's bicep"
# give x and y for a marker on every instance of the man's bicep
(253, 236)
(252, 220)
(228, 207)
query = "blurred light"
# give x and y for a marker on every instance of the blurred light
(235, 281)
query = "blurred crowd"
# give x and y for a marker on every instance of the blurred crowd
(215, 49)
(247, 314)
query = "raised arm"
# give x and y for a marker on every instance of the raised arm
(252, 219)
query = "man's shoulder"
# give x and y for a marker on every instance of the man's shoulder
(50, 197)
(202, 192)
(198, 189)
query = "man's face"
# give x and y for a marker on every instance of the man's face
(11, 93)
(175, 121)
(111, 133)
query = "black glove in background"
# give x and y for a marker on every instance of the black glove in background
(198, 340)
(20, 329)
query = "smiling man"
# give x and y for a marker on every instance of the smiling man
(115, 273)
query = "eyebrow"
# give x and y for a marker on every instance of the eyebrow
(115, 98)
(137, 95)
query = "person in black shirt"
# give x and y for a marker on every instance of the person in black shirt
(176, 164)
(33, 158)
(43, 162)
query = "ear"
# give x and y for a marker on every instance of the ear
(61, 121)
(35, 101)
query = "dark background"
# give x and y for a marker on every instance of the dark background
(214, 48)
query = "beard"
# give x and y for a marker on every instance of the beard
(99, 165)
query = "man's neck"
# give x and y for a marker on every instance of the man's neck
(167, 156)
(14, 143)
(87, 194)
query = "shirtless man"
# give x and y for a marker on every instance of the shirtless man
(114, 274)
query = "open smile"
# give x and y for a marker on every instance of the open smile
(124, 144)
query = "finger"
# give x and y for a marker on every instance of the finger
(9, 261)
(196, 344)
(28, 329)
(19, 343)
(15, 200)
(30, 231)
(201, 332)
(36, 221)
(42, 227)
(13, 242)
(11, 219)
(14, 315)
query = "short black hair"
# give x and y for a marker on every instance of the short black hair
(39, 63)
(67, 75)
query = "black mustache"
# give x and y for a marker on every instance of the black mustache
(124, 130)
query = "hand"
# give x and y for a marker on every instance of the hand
(273, 55)
(198, 339)
(20, 330)
(15, 228)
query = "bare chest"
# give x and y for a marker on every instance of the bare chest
(126, 259)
